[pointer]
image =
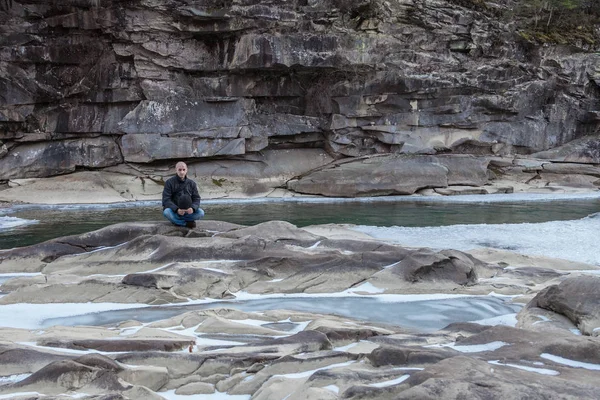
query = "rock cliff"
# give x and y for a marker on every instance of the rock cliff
(265, 91)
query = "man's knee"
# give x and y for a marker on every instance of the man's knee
(170, 214)
(198, 214)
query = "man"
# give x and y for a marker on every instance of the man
(181, 200)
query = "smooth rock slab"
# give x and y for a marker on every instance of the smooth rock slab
(152, 147)
(576, 298)
(392, 175)
(44, 159)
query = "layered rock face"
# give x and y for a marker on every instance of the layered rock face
(268, 91)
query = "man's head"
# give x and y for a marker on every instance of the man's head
(181, 169)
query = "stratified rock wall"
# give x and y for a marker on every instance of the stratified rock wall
(90, 84)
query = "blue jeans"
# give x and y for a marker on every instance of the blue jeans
(182, 219)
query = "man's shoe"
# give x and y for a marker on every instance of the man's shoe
(190, 224)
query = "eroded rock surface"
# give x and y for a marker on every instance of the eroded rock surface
(485, 362)
(155, 263)
(281, 353)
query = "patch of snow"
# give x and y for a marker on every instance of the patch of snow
(6, 380)
(19, 394)
(570, 363)
(216, 270)
(300, 326)
(130, 330)
(203, 342)
(390, 382)
(170, 395)
(333, 388)
(19, 274)
(506, 320)
(542, 371)
(477, 348)
(542, 319)
(102, 248)
(347, 347)
(157, 269)
(64, 349)
(366, 287)
(252, 322)
(314, 246)
(307, 374)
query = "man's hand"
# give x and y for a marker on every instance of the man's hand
(189, 210)
(183, 212)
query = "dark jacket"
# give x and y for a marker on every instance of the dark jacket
(175, 187)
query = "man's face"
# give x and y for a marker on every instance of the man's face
(181, 170)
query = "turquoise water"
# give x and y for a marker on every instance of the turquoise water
(62, 222)
(557, 228)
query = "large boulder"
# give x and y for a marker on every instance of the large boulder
(575, 298)
(390, 175)
(583, 150)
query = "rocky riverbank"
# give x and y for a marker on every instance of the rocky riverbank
(552, 348)
(417, 175)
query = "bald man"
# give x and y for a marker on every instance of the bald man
(181, 200)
